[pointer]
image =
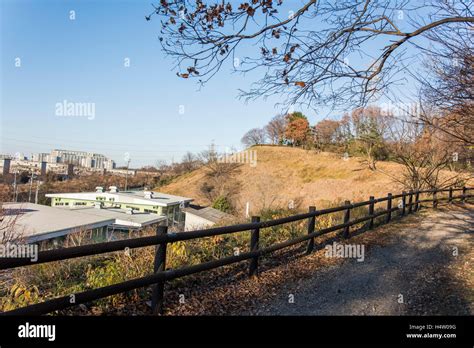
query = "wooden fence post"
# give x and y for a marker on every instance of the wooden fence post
(404, 203)
(463, 199)
(159, 266)
(311, 225)
(347, 217)
(254, 241)
(389, 208)
(435, 198)
(450, 195)
(410, 202)
(371, 211)
(417, 201)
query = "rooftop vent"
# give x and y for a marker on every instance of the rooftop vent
(148, 194)
(113, 189)
(98, 205)
(129, 211)
(99, 189)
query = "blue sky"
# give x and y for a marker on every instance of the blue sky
(137, 109)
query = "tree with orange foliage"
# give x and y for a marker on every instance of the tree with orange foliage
(297, 129)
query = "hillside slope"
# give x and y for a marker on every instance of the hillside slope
(285, 174)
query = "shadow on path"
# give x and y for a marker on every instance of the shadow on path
(410, 275)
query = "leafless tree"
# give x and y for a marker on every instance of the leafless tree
(255, 136)
(161, 166)
(426, 160)
(216, 164)
(325, 132)
(219, 180)
(275, 129)
(9, 229)
(190, 162)
(322, 51)
(448, 86)
(370, 124)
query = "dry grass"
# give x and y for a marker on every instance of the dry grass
(285, 174)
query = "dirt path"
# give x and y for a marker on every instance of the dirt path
(415, 272)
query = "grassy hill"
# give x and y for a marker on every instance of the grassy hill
(285, 174)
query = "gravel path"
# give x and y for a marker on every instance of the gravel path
(413, 273)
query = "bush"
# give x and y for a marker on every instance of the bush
(19, 295)
(120, 268)
(222, 203)
(280, 233)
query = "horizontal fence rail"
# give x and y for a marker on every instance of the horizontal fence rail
(410, 202)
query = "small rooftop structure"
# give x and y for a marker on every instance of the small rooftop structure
(36, 222)
(123, 218)
(199, 217)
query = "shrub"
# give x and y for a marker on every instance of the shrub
(19, 295)
(222, 203)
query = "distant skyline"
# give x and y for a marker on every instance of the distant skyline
(109, 58)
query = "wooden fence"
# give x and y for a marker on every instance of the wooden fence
(410, 202)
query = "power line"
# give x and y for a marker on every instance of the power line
(113, 148)
(99, 143)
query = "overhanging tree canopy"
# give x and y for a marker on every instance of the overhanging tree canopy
(320, 52)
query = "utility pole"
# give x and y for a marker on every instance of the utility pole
(126, 175)
(14, 188)
(38, 183)
(31, 186)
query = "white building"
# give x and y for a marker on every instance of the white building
(158, 203)
(201, 218)
(35, 223)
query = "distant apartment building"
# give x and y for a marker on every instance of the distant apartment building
(40, 157)
(6, 166)
(78, 158)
